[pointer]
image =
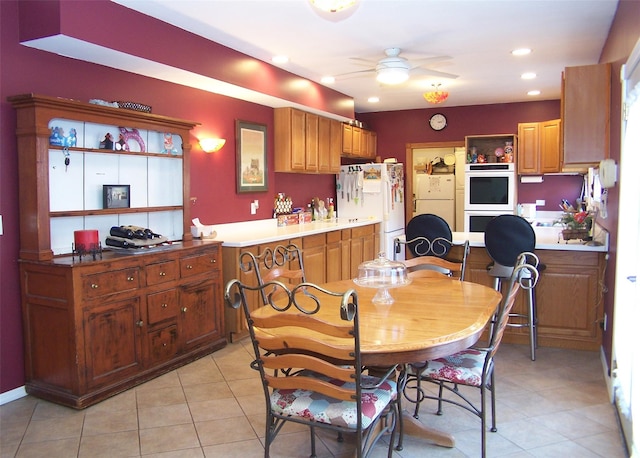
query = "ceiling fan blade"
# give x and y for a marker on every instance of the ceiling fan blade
(361, 61)
(429, 60)
(430, 72)
(356, 73)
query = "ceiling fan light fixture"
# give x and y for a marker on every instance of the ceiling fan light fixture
(392, 75)
(333, 6)
(436, 96)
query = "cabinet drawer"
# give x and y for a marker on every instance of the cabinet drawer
(361, 231)
(116, 281)
(162, 306)
(163, 344)
(311, 241)
(203, 263)
(333, 237)
(161, 272)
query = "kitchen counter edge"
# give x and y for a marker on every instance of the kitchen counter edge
(250, 233)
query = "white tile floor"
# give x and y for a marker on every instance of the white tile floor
(556, 406)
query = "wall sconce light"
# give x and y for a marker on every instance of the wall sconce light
(211, 145)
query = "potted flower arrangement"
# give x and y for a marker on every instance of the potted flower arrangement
(576, 224)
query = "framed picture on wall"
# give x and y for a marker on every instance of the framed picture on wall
(116, 196)
(251, 157)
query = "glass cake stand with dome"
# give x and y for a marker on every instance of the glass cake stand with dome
(383, 274)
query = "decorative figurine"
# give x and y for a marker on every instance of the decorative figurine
(121, 144)
(131, 134)
(107, 143)
(72, 139)
(168, 144)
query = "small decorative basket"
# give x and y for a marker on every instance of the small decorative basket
(133, 106)
(569, 234)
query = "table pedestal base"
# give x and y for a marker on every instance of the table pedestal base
(412, 427)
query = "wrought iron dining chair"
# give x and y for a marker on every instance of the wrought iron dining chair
(472, 367)
(429, 236)
(311, 369)
(505, 237)
(433, 228)
(281, 262)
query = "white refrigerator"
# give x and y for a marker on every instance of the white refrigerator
(366, 191)
(436, 194)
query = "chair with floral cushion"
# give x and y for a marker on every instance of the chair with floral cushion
(307, 349)
(472, 367)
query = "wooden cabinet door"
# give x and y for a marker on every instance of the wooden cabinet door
(335, 146)
(549, 146)
(199, 321)
(324, 144)
(289, 139)
(112, 336)
(356, 255)
(311, 142)
(529, 148)
(365, 136)
(347, 139)
(314, 257)
(333, 270)
(345, 253)
(373, 145)
(356, 148)
(586, 107)
(369, 248)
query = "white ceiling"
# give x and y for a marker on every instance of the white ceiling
(477, 35)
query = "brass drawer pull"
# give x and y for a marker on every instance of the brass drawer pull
(164, 306)
(183, 309)
(140, 323)
(189, 267)
(94, 286)
(163, 274)
(130, 278)
(164, 344)
(213, 261)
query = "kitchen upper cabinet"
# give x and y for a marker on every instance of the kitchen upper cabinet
(290, 140)
(329, 145)
(586, 105)
(305, 142)
(539, 147)
(311, 142)
(358, 143)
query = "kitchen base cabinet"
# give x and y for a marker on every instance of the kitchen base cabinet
(327, 256)
(568, 298)
(96, 328)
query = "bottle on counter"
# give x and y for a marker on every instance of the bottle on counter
(331, 209)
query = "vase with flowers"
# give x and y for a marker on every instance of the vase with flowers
(577, 224)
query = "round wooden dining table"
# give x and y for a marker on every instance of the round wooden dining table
(429, 318)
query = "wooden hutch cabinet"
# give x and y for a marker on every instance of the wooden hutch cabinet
(97, 325)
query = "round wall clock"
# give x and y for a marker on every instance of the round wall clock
(438, 121)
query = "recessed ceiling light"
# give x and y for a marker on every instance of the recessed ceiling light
(521, 51)
(328, 80)
(373, 99)
(280, 59)
(534, 92)
(528, 76)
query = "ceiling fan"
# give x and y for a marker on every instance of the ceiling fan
(395, 69)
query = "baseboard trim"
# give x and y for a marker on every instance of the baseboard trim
(12, 395)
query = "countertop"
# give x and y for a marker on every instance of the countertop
(267, 230)
(548, 236)
(249, 233)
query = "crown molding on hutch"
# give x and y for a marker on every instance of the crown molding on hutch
(137, 43)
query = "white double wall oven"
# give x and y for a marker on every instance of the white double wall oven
(489, 190)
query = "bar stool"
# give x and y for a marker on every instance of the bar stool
(505, 237)
(433, 228)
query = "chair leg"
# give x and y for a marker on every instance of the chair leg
(493, 404)
(533, 331)
(313, 441)
(440, 392)
(483, 417)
